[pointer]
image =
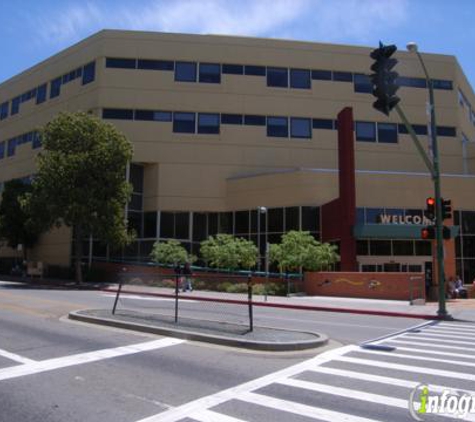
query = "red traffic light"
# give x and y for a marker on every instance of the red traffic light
(430, 202)
(428, 233)
(430, 208)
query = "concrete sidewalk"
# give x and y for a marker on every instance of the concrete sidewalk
(462, 309)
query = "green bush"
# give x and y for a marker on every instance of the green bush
(237, 288)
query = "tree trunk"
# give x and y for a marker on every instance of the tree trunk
(78, 244)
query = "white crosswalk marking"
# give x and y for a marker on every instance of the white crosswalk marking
(352, 383)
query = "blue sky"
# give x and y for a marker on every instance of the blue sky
(33, 30)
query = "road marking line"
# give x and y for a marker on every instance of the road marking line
(66, 361)
(15, 357)
(210, 416)
(203, 403)
(301, 409)
(382, 379)
(446, 335)
(408, 368)
(469, 327)
(414, 357)
(446, 328)
(435, 352)
(419, 343)
(435, 339)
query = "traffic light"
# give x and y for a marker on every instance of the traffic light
(446, 208)
(446, 234)
(428, 233)
(383, 79)
(430, 208)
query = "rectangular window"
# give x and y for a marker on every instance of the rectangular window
(365, 131)
(184, 122)
(233, 69)
(442, 84)
(155, 65)
(292, 218)
(89, 73)
(231, 119)
(380, 247)
(278, 127)
(300, 127)
(310, 219)
(136, 177)
(41, 94)
(208, 123)
(118, 114)
(2, 150)
(403, 247)
(387, 133)
(343, 76)
(185, 72)
(119, 63)
(446, 131)
(254, 120)
(151, 115)
(321, 75)
(36, 141)
(419, 129)
(200, 229)
(362, 83)
(241, 222)
(210, 73)
(411, 82)
(278, 77)
(11, 147)
(4, 110)
(322, 123)
(255, 70)
(15, 105)
(300, 78)
(275, 220)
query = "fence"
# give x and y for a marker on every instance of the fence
(220, 299)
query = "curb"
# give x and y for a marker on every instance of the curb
(289, 306)
(322, 339)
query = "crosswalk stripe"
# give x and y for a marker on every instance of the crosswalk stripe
(15, 357)
(210, 416)
(435, 352)
(461, 331)
(458, 326)
(382, 379)
(408, 368)
(301, 409)
(415, 357)
(445, 335)
(437, 339)
(441, 346)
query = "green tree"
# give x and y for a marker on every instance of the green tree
(227, 252)
(81, 180)
(299, 249)
(16, 225)
(171, 253)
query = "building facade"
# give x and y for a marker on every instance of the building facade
(223, 125)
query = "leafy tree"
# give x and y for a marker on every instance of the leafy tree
(226, 251)
(15, 221)
(299, 249)
(170, 252)
(80, 180)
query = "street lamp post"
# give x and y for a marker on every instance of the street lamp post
(260, 210)
(442, 312)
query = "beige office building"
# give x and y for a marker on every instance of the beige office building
(223, 125)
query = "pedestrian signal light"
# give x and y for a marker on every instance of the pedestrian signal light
(428, 233)
(446, 209)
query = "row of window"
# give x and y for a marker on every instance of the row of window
(9, 146)
(393, 248)
(463, 101)
(86, 72)
(280, 77)
(277, 126)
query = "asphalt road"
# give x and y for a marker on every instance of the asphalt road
(53, 369)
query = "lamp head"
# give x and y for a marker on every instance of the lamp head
(262, 210)
(411, 47)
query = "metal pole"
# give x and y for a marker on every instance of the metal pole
(249, 301)
(442, 311)
(177, 280)
(117, 297)
(259, 238)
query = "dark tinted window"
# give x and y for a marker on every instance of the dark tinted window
(155, 65)
(231, 119)
(275, 220)
(199, 226)
(362, 83)
(310, 219)
(442, 84)
(423, 248)
(182, 225)
(167, 224)
(292, 218)
(36, 142)
(403, 247)
(157, 116)
(15, 105)
(387, 133)
(4, 110)
(2, 150)
(210, 73)
(118, 63)
(11, 147)
(380, 247)
(343, 76)
(300, 78)
(446, 131)
(322, 75)
(362, 247)
(300, 128)
(365, 131)
(55, 88)
(233, 69)
(184, 122)
(411, 82)
(253, 120)
(278, 127)
(420, 129)
(117, 113)
(89, 73)
(226, 222)
(255, 70)
(41, 94)
(185, 72)
(468, 222)
(242, 222)
(136, 176)
(278, 77)
(208, 123)
(322, 123)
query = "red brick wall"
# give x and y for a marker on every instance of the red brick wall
(365, 285)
